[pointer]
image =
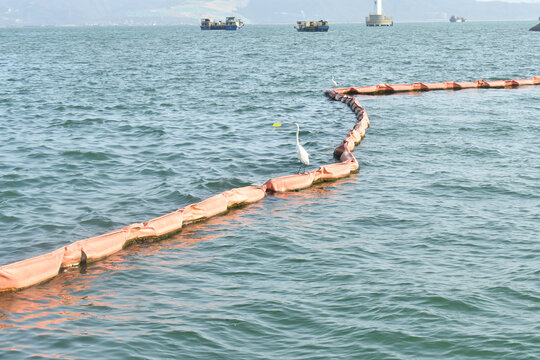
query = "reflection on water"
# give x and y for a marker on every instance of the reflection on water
(318, 190)
(43, 306)
(34, 307)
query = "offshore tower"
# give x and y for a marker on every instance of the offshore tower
(379, 18)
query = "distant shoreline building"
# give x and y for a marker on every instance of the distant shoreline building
(379, 18)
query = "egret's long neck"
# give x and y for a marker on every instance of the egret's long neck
(297, 131)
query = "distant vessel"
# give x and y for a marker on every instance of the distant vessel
(230, 24)
(312, 26)
(379, 18)
(455, 18)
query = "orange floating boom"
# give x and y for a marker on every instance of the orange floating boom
(41, 268)
(383, 89)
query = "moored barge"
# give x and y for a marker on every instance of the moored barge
(312, 26)
(230, 24)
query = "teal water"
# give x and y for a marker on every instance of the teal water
(431, 251)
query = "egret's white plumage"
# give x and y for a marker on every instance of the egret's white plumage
(302, 154)
(334, 81)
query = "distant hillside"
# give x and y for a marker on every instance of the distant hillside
(286, 11)
(80, 12)
(283, 11)
(407, 10)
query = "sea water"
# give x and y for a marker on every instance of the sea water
(431, 251)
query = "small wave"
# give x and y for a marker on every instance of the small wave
(479, 189)
(517, 296)
(158, 172)
(86, 155)
(8, 218)
(117, 107)
(96, 220)
(447, 303)
(145, 130)
(225, 183)
(83, 122)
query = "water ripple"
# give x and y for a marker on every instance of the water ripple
(429, 252)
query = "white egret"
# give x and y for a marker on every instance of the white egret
(334, 81)
(302, 154)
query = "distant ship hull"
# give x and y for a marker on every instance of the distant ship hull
(230, 24)
(222, 27)
(314, 29)
(312, 26)
(457, 19)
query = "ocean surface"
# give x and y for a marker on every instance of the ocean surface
(431, 251)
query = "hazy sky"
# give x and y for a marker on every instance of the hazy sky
(80, 12)
(514, 1)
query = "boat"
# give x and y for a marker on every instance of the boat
(312, 26)
(457, 19)
(537, 27)
(230, 24)
(379, 18)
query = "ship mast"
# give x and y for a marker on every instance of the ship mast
(378, 7)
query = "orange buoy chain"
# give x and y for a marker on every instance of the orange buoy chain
(382, 89)
(38, 269)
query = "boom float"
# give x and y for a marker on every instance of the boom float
(382, 89)
(39, 269)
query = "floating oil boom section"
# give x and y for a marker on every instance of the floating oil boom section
(41, 268)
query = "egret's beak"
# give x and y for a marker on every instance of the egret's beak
(277, 124)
